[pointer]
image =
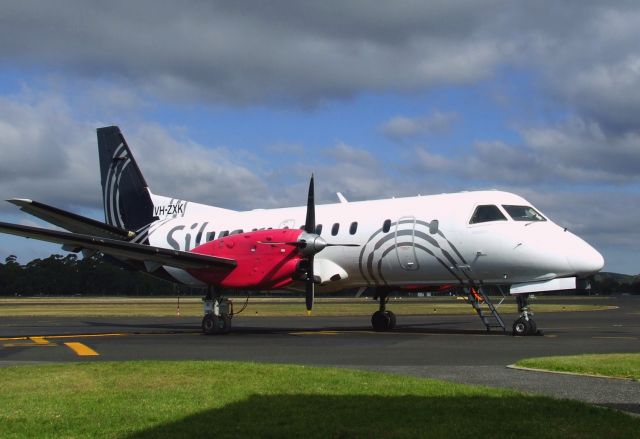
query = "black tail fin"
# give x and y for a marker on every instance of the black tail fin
(127, 202)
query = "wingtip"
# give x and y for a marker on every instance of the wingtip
(20, 201)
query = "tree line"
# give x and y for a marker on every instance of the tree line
(70, 275)
(97, 276)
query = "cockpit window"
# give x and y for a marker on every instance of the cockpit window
(523, 213)
(486, 213)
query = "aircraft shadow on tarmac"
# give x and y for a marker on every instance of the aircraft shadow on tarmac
(424, 329)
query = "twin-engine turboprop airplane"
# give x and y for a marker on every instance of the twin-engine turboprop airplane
(468, 239)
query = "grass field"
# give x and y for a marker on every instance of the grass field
(230, 400)
(611, 365)
(192, 306)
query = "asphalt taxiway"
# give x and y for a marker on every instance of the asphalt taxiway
(454, 348)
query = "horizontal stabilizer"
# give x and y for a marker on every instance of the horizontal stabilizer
(121, 249)
(70, 221)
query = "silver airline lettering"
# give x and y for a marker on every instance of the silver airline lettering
(170, 209)
(183, 241)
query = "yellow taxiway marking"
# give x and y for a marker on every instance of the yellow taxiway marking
(36, 341)
(82, 350)
(30, 345)
(39, 340)
(316, 333)
(115, 334)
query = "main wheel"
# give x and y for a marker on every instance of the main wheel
(212, 324)
(380, 321)
(209, 324)
(523, 327)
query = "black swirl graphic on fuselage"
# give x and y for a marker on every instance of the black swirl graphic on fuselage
(421, 237)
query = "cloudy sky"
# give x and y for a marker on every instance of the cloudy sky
(236, 103)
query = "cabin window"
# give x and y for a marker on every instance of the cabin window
(223, 234)
(335, 229)
(353, 228)
(523, 213)
(236, 232)
(487, 213)
(318, 229)
(211, 236)
(386, 226)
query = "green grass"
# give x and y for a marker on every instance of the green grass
(228, 400)
(610, 365)
(258, 307)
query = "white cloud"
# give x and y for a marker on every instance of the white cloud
(402, 127)
(51, 156)
(301, 52)
(573, 152)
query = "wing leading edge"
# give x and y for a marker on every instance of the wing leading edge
(121, 249)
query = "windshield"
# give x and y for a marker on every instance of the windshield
(486, 213)
(523, 213)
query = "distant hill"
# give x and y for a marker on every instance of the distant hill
(615, 283)
(618, 277)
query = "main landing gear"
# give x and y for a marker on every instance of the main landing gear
(525, 325)
(218, 313)
(383, 320)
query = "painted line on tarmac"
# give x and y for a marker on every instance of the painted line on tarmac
(67, 336)
(317, 333)
(81, 349)
(617, 337)
(28, 345)
(394, 333)
(35, 342)
(40, 340)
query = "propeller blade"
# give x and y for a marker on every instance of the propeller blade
(309, 287)
(310, 222)
(343, 245)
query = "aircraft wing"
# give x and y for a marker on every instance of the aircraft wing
(121, 249)
(70, 221)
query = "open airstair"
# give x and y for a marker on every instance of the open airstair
(485, 308)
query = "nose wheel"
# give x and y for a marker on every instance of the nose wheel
(522, 326)
(525, 325)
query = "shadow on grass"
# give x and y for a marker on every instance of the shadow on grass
(404, 416)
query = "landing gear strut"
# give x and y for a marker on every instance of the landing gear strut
(218, 313)
(383, 320)
(525, 325)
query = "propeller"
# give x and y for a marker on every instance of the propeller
(309, 243)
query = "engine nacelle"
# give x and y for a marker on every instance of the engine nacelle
(266, 259)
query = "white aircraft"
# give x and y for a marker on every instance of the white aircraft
(468, 239)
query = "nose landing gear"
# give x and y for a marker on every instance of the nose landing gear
(525, 325)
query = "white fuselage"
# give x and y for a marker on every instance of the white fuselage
(424, 240)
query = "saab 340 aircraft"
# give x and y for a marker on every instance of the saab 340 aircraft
(465, 240)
